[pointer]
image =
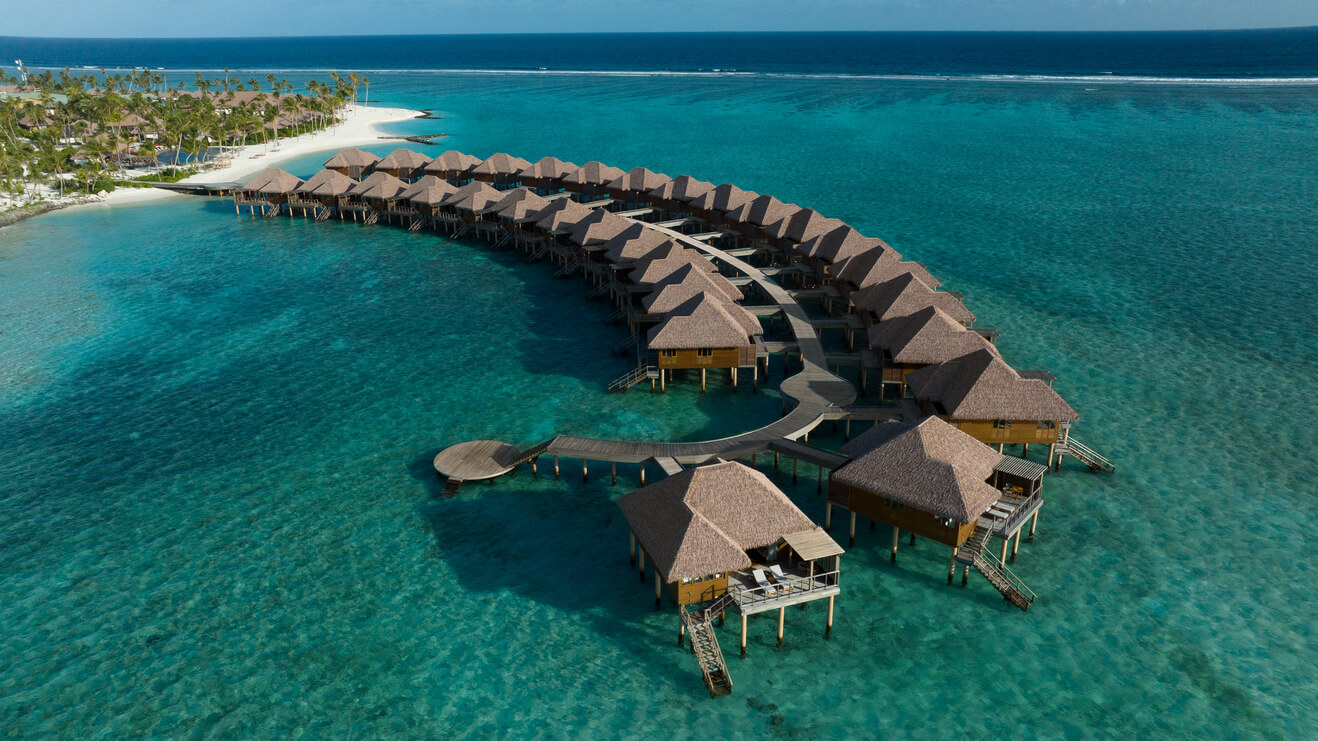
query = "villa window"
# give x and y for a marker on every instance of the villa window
(1001, 424)
(668, 353)
(704, 352)
(1047, 425)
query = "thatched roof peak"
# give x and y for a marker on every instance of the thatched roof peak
(685, 282)
(429, 191)
(327, 183)
(452, 161)
(560, 215)
(925, 337)
(403, 160)
(518, 204)
(803, 225)
(905, 294)
(272, 182)
(877, 265)
(549, 168)
(725, 198)
(351, 158)
(670, 258)
(931, 466)
(380, 186)
(636, 242)
(472, 197)
(980, 386)
(762, 211)
(638, 180)
(593, 173)
(682, 188)
(703, 520)
(597, 227)
(843, 242)
(500, 164)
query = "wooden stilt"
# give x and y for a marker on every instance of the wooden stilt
(555, 468)
(755, 376)
(734, 379)
(951, 566)
(631, 549)
(1016, 546)
(702, 380)
(847, 435)
(912, 539)
(753, 460)
(641, 467)
(658, 587)
(1003, 558)
(640, 563)
(681, 631)
(534, 472)
(895, 533)
(828, 628)
(828, 516)
(819, 488)
(852, 533)
(743, 634)
(782, 613)
(585, 475)
(965, 574)
(1034, 522)
(775, 459)
(615, 473)
(794, 463)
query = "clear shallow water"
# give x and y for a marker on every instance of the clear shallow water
(219, 518)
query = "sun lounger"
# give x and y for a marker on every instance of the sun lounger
(768, 588)
(779, 576)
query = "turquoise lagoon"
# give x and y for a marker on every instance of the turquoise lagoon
(219, 518)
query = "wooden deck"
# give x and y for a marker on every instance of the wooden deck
(476, 460)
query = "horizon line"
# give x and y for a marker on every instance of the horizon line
(666, 33)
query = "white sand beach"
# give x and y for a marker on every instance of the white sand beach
(360, 127)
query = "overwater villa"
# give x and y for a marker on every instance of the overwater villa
(903, 295)
(705, 331)
(352, 162)
(588, 181)
(404, 164)
(936, 482)
(634, 244)
(675, 194)
(926, 337)
(987, 399)
(723, 534)
(501, 170)
(266, 192)
(873, 267)
(546, 175)
(452, 166)
(632, 186)
(716, 203)
(682, 284)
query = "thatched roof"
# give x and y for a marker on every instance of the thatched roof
(725, 198)
(327, 183)
(473, 197)
(518, 204)
(682, 188)
(351, 158)
(843, 242)
(548, 168)
(703, 520)
(926, 337)
(684, 283)
(380, 186)
(669, 260)
(904, 295)
(931, 466)
(403, 160)
(762, 210)
(878, 265)
(981, 386)
(704, 320)
(272, 182)
(636, 242)
(803, 225)
(452, 161)
(597, 228)
(560, 215)
(593, 173)
(500, 164)
(638, 180)
(429, 191)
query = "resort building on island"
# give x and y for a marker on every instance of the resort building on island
(723, 534)
(936, 482)
(706, 331)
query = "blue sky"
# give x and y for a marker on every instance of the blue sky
(184, 18)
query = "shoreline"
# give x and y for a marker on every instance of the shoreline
(359, 127)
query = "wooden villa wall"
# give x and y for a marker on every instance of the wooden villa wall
(700, 591)
(718, 358)
(1020, 431)
(906, 517)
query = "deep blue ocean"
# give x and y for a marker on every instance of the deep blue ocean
(218, 517)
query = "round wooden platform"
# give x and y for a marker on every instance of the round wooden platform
(476, 460)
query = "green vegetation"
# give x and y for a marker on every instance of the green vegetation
(76, 134)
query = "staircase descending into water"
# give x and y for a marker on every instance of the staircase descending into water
(704, 644)
(568, 268)
(370, 217)
(633, 377)
(270, 210)
(1085, 455)
(417, 223)
(974, 552)
(322, 213)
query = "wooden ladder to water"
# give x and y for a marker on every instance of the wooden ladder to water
(975, 552)
(704, 644)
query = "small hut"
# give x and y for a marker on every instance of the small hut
(991, 402)
(427, 194)
(589, 179)
(404, 164)
(876, 265)
(903, 295)
(352, 162)
(719, 201)
(597, 228)
(453, 166)
(762, 211)
(464, 203)
(681, 190)
(326, 189)
(560, 215)
(926, 337)
(705, 331)
(269, 188)
(547, 174)
(718, 529)
(633, 185)
(500, 170)
(685, 282)
(667, 260)
(839, 244)
(516, 209)
(802, 226)
(382, 192)
(635, 243)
